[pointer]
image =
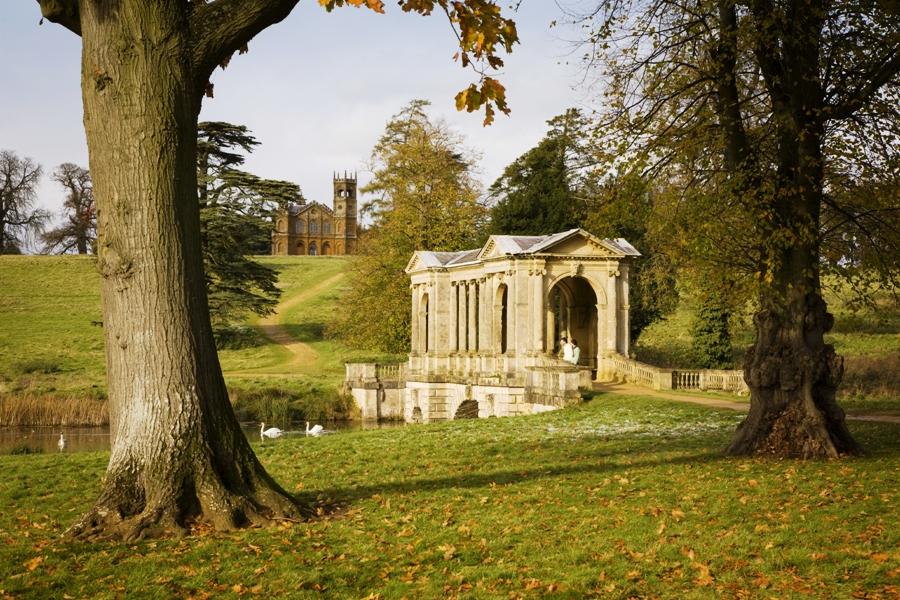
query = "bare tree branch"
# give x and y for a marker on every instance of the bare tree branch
(224, 27)
(62, 12)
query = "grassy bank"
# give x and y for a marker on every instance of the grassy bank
(869, 339)
(621, 497)
(51, 344)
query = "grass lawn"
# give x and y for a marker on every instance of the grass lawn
(51, 340)
(620, 497)
(50, 334)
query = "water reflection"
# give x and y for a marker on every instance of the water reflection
(23, 440)
(92, 439)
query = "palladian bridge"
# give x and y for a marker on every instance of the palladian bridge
(486, 326)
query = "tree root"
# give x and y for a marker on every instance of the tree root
(112, 517)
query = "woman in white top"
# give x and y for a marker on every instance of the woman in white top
(567, 350)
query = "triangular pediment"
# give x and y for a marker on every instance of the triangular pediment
(489, 250)
(414, 264)
(579, 242)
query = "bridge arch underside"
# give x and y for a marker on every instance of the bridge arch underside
(572, 312)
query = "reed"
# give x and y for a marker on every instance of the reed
(48, 409)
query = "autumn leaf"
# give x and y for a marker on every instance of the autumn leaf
(34, 563)
(704, 578)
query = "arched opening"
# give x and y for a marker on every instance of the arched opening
(313, 249)
(300, 248)
(573, 304)
(467, 410)
(326, 249)
(500, 318)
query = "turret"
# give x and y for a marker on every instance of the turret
(345, 204)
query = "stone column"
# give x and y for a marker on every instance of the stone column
(414, 323)
(537, 310)
(473, 315)
(461, 304)
(611, 307)
(428, 315)
(485, 301)
(624, 314)
(454, 315)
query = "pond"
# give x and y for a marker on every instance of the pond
(25, 439)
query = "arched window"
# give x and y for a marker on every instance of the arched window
(326, 227)
(313, 251)
(313, 227)
(299, 227)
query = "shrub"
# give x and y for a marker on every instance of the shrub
(38, 365)
(280, 405)
(236, 337)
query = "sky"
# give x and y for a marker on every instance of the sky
(316, 90)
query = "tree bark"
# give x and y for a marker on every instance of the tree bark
(178, 454)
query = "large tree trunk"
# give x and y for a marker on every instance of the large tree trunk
(178, 454)
(793, 377)
(792, 373)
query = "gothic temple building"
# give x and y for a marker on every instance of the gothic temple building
(316, 230)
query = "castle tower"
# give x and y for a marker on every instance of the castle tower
(345, 211)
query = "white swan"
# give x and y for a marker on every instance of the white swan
(271, 432)
(61, 444)
(316, 430)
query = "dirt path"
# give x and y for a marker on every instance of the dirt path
(631, 389)
(302, 354)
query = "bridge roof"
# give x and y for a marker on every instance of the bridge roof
(521, 245)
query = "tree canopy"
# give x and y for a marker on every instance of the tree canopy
(758, 115)
(78, 231)
(425, 197)
(538, 193)
(236, 216)
(19, 178)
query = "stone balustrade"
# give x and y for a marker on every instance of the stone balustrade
(618, 367)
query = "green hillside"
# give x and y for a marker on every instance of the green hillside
(51, 337)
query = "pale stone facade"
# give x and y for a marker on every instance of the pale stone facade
(486, 324)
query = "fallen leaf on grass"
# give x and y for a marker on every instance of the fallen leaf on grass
(34, 563)
(704, 578)
(879, 556)
(449, 551)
